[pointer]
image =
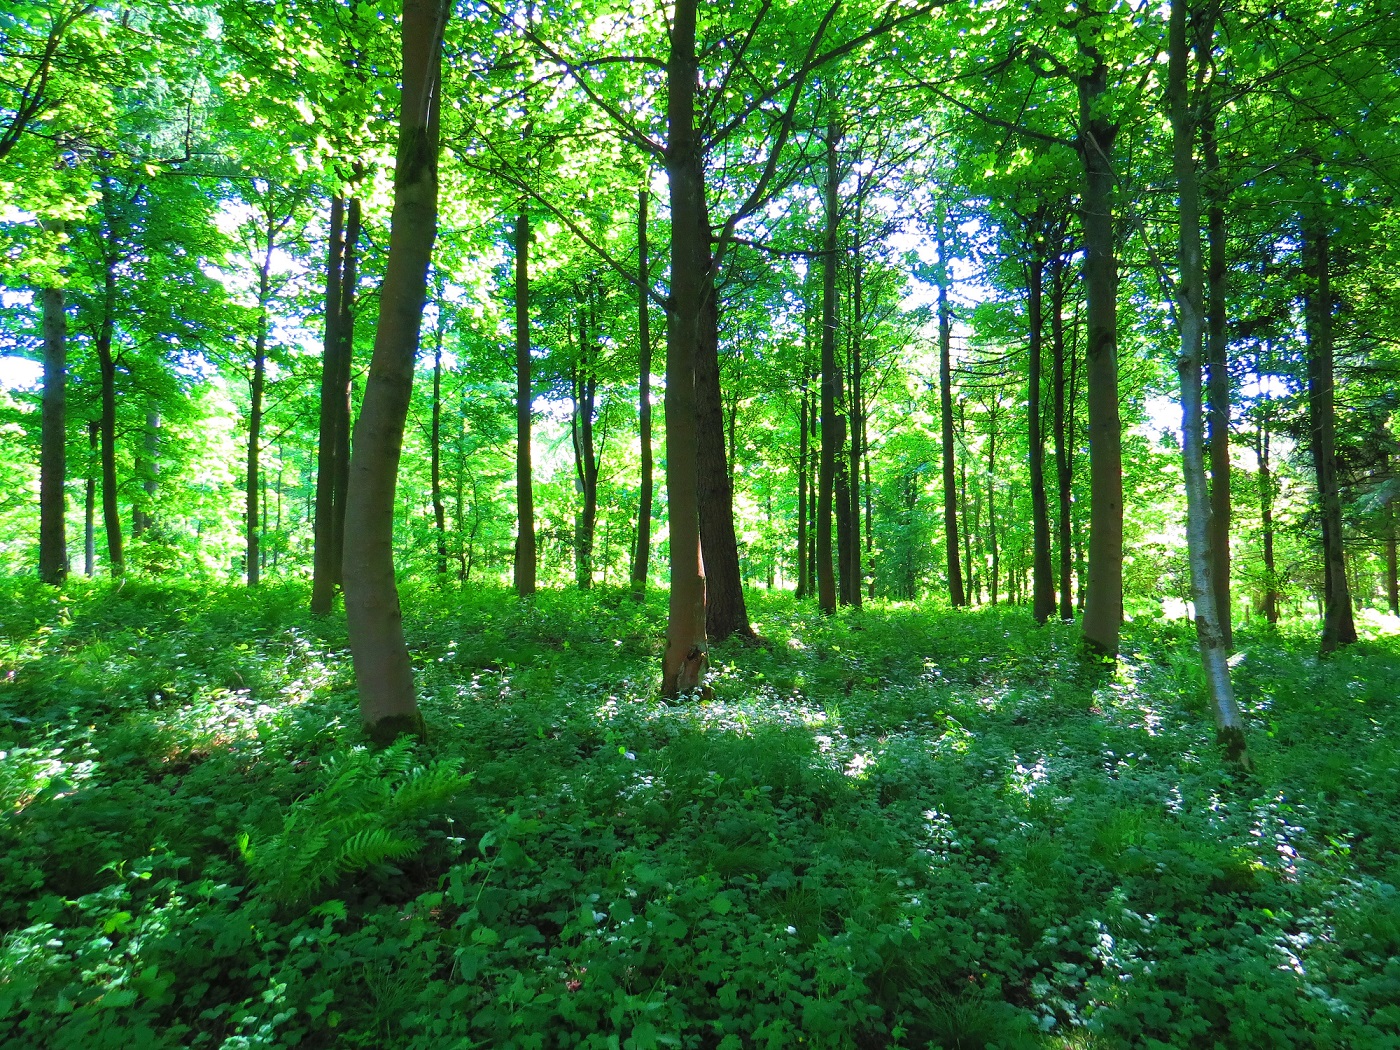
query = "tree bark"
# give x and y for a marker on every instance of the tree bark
(90, 504)
(956, 594)
(435, 469)
(1338, 628)
(323, 572)
(1103, 604)
(1392, 577)
(252, 555)
(641, 556)
(687, 650)
(53, 467)
(992, 504)
(830, 429)
(107, 368)
(1189, 315)
(1266, 515)
(1217, 384)
(345, 361)
(585, 389)
(1064, 453)
(857, 418)
(1042, 573)
(803, 451)
(526, 544)
(383, 673)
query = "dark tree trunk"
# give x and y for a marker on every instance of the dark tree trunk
(323, 561)
(383, 673)
(107, 367)
(526, 543)
(831, 380)
(252, 555)
(53, 467)
(147, 469)
(992, 505)
(1392, 577)
(1217, 385)
(90, 504)
(687, 650)
(803, 450)
(435, 479)
(585, 390)
(1042, 573)
(1064, 453)
(1338, 628)
(857, 417)
(1266, 515)
(345, 361)
(641, 555)
(725, 611)
(956, 594)
(1103, 605)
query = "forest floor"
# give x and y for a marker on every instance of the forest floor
(890, 828)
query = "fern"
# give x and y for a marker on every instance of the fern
(360, 818)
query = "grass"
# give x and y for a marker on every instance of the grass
(894, 828)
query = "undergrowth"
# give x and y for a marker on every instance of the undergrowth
(893, 828)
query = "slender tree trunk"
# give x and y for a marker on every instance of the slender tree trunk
(53, 467)
(585, 387)
(857, 413)
(90, 504)
(107, 367)
(1103, 605)
(1392, 578)
(1189, 315)
(956, 595)
(1042, 575)
(383, 673)
(1064, 457)
(1338, 629)
(992, 506)
(148, 470)
(526, 544)
(969, 511)
(725, 610)
(642, 554)
(830, 429)
(345, 361)
(439, 509)
(1266, 514)
(323, 562)
(1217, 384)
(252, 557)
(687, 650)
(803, 449)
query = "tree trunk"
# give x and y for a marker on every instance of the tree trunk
(1064, 453)
(90, 504)
(687, 651)
(383, 673)
(641, 556)
(53, 467)
(1266, 515)
(323, 570)
(148, 469)
(585, 389)
(830, 430)
(803, 451)
(435, 470)
(1217, 384)
(252, 556)
(992, 505)
(725, 611)
(956, 595)
(107, 367)
(1338, 628)
(1103, 605)
(1189, 315)
(345, 361)
(526, 543)
(1392, 577)
(856, 415)
(1042, 573)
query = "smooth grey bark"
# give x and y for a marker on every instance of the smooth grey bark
(383, 673)
(956, 595)
(323, 573)
(526, 543)
(830, 428)
(252, 555)
(1042, 572)
(1064, 453)
(435, 467)
(641, 555)
(53, 466)
(1217, 382)
(1190, 325)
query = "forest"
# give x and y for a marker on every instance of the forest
(858, 524)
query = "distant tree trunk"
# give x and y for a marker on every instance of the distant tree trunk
(435, 479)
(687, 650)
(1103, 606)
(1217, 383)
(526, 544)
(1042, 575)
(1064, 453)
(1189, 315)
(1392, 577)
(969, 511)
(585, 389)
(1338, 629)
(992, 506)
(1266, 514)
(53, 466)
(725, 610)
(642, 554)
(956, 595)
(345, 361)
(90, 504)
(803, 449)
(107, 368)
(255, 413)
(383, 673)
(857, 416)
(323, 561)
(148, 470)
(830, 429)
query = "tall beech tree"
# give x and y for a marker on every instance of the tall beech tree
(383, 674)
